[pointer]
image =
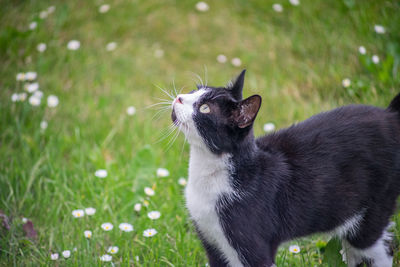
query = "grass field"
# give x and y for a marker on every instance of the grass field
(297, 60)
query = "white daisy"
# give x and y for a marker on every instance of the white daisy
(162, 172)
(346, 82)
(154, 215)
(34, 100)
(148, 191)
(106, 257)
(73, 45)
(107, 226)
(149, 232)
(33, 26)
(43, 125)
(88, 234)
(101, 173)
(31, 87)
(269, 127)
(22, 96)
(66, 253)
(362, 50)
(158, 53)
(38, 94)
(111, 46)
(126, 227)
(375, 59)
(20, 76)
(202, 6)
(43, 14)
(277, 7)
(131, 110)
(104, 8)
(14, 97)
(222, 58)
(54, 256)
(24, 220)
(51, 9)
(294, 249)
(137, 207)
(78, 213)
(52, 101)
(295, 2)
(113, 249)
(41, 47)
(379, 29)
(30, 75)
(90, 211)
(182, 181)
(236, 62)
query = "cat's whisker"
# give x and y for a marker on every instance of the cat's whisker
(205, 75)
(159, 112)
(157, 104)
(167, 93)
(173, 83)
(199, 78)
(170, 143)
(167, 132)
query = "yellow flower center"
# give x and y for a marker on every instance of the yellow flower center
(107, 227)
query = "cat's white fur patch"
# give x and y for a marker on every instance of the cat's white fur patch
(208, 181)
(350, 226)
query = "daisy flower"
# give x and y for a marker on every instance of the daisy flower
(375, 59)
(52, 101)
(346, 82)
(182, 181)
(269, 127)
(88, 233)
(41, 47)
(20, 76)
(137, 207)
(162, 172)
(149, 232)
(131, 110)
(101, 173)
(24, 220)
(158, 53)
(104, 8)
(43, 14)
(30, 75)
(66, 253)
(126, 227)
(277, 7)
(34, 100)
(14, 97)
(90, 211)
(73, 45)
(111, 46)
(38, 94)
(295, 2)
(22, 96)
(107, 226)
(78, 213)
(222, 59)
(106, 257)
(236, 62)
(202, 6)
(362, 50)
(33, 26)
(148, 191)
(154, 215)
(54, 256)
(294, 249)
(31, 87)
(379, 29)
(113, 249)
(51, 9)
(43, 125)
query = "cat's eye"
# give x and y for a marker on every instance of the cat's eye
(204, 108)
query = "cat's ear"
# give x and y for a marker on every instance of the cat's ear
(246, 111)
(236, 86)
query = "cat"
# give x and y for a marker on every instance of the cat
(336, 172)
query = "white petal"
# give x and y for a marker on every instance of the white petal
(202, 6)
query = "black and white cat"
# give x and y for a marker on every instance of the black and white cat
(338, 171)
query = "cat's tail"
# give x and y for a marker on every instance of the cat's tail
(394, 106)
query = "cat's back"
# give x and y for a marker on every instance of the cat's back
(349, 127)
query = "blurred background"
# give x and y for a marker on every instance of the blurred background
(84, 124)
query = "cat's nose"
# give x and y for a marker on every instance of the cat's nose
(179, 100)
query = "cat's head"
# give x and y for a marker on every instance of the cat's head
(216, 118)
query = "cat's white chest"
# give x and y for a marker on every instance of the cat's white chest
(208, 180)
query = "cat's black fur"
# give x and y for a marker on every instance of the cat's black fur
(308, 178)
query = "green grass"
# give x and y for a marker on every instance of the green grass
(296, 61)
